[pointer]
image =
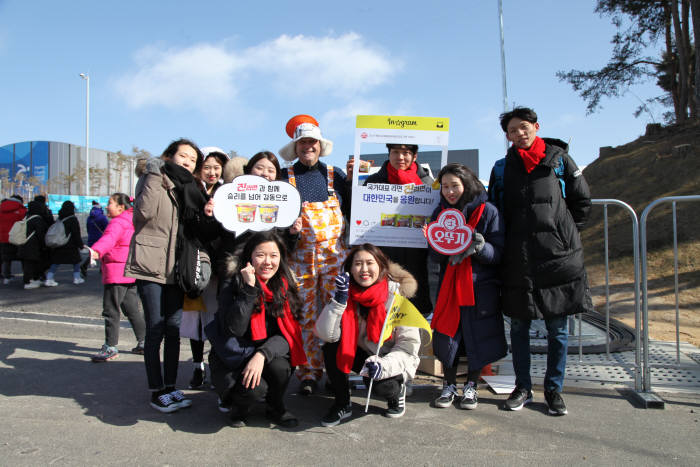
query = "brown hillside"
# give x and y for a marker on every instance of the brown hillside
(664, 162)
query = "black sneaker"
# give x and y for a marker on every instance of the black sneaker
(138, 349)
(518, 398)
(284, 419)
(199, 379)
(238, 417)
(336, 415)
(224, 407)
(470, 398)
(308, 387)
(555, 403)
(164, 403)
(397, 406)
(447, 396)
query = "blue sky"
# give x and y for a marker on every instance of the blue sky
(230, 74)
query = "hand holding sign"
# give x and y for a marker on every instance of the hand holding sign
(250, 202)
(450, 234)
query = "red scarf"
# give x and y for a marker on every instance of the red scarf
(289, 327)
(531, 157)
(373, 297)
(457, 289)
(403, 177)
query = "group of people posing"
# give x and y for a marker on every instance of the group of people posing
(296, 301)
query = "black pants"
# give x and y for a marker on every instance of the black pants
(388, 388)
(273, 383)
(8, 253)
(197, 350)
(122, 297)
(32, 270)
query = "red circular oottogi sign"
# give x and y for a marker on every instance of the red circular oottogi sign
(449, 234)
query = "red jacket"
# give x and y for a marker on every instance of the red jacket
(11, 211)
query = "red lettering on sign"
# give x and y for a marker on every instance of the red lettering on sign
(449, 234)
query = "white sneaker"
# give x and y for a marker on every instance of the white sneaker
(78, 280)
(33, 285)
(6, 281)
(50, 283)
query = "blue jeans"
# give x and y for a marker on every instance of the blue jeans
(162, 307)
(54, 267)
(557, 340)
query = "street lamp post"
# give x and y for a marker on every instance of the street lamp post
(86, 77)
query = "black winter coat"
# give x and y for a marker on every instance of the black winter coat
(70, 252)
(542, 270)
(414, 260)
(480, 328)
(34, 249)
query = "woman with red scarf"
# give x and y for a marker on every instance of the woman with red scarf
(351, 325)
(467, 319)
(257, 318)
(402, 168)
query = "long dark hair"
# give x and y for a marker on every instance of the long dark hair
(276, 308)
(263, 155)
(471, 183)
(171, 150)
(379, 257)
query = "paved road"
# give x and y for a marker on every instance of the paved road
(58, 408)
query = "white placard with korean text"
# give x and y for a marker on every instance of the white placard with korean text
(393, 215)
(253, 203)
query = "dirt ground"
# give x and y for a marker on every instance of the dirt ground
(662, 303)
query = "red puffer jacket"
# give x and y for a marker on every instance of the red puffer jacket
(11, 210)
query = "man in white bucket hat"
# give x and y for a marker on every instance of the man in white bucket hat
(321, 250)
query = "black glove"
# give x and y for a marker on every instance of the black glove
(342, 285)
(476, 246)
(374, 369)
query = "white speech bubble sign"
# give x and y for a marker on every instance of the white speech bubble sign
(253, 203)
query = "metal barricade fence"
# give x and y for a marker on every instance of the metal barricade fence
(646, 384)
(638, 366)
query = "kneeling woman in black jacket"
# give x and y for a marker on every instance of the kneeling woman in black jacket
(258, 338)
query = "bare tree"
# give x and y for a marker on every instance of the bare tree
(695, 7)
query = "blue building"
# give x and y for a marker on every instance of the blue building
(31, 167)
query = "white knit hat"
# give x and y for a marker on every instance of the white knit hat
(304, 126)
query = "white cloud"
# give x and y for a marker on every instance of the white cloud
(341, 66)
(196, 76)
(204, 74)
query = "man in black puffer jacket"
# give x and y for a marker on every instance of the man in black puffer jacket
(545, 201)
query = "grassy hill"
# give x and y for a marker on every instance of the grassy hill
(664, 162)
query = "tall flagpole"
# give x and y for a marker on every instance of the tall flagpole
(503, 62)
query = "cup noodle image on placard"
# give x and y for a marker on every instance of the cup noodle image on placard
(253, 203)
(449, 234)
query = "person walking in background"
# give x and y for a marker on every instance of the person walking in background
(47, 215)
(471, 327)
(70, 252)
(33, 253)
(321, 249)
(112, 249)
(95, 225)
(545, 201)
(169, 210)
(11, 210)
